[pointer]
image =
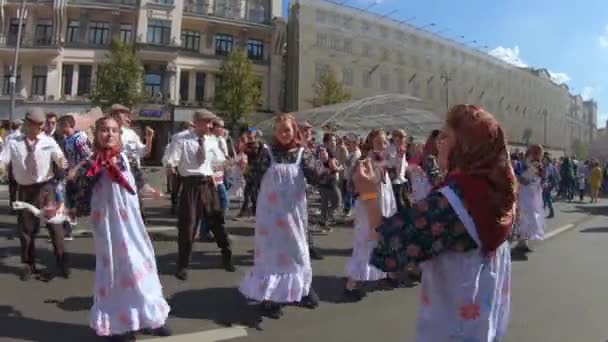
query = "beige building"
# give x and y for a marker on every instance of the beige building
(182, 44)
(374, 55)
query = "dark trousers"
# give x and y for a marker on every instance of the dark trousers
(39, 195)
(330, 201)
(548, 199)
(250, 195)
(175, 186)
(399, 190)
(198, 199)
(12, 185)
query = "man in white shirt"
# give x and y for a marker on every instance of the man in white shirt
(194, 156)
(397, 165)
(12, 184)
(131, 142)
(31, 157)
(173, 180)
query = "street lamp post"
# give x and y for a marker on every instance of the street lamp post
(446, 78)
(13, 78)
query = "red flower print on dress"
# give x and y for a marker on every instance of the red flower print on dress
(422, 206)
(96, 215)
(469, 312)
(459, 227)
(424, 298)
(412, 250)
(106, 261)
(124, 319)
(282, 223)
(273, 198)
(390, 263)
(124, 250)
(123, 214)
(258, 253)
(420, 222)
(127, 283)
(102, 292)
(149, 265)
(293, 294)
(284, 259)
(263, 232)
(443, 203)
(437, 229)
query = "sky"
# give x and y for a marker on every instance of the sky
(569, 38)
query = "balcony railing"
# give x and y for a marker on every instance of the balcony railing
(203, 8)
(31, 42)
(104, 2)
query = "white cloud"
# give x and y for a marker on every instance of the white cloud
(559, 77)
(587, 93)
(603, 39)
(512, 56)
(508, 55)
(601, 120)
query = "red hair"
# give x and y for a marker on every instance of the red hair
(298, 140)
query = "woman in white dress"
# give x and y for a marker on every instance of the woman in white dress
(358, 268)
(128, 296)
(458, 234)
(531, 214)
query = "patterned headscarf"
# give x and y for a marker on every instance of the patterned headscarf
(479, 165)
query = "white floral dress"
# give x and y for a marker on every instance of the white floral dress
(358, 267)
(531, 215)
(128, 294)
(282, 272)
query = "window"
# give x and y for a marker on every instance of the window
(184, 85)
(44, 32)
(366, 26)
(385, 83)
(348, 45)
(320, 69)
(347, 76)
(321, 39)
(152, 83)
(348, 23)
(126, 33)
(85, 73)
(365, 50)
(8, 72)
(72, 34)
(219, 82)
(228, 8)
(159, 32)
(39, 80)
(191, 40)
(321, 16)
(99, 33)
(334, 43)
(163, 2)
(257, 12)
(335, 19)
(367, 79)
(400, 58)
(385, 54)
(13, 31)
(255, 49)
(383, 31)
(199, 90)
(66, 78)
(223, 44)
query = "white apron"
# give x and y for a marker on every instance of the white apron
(531, 214)
(358, 267)
(282, 272)
(128, 294)
(465, 296)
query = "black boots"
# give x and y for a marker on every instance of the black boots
(227, 260)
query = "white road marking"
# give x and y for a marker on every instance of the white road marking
(205, 336)
(558, 231)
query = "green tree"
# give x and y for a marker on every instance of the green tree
(240, 90)
(580, 150)
(328, 90)
(121, 79)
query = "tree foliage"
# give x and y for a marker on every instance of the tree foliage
(328, 90)
(121, 79)
(240, 91)
(580, 150)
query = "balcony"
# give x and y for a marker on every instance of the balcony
(32, 42)
(103, 3)
(204, 9)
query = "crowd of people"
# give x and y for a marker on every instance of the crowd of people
(432, 212)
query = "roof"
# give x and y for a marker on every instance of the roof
(388, 111)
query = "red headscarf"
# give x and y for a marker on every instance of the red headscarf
(298, 140)
(479, 165)
(106, 159)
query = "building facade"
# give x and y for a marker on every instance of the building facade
(181, 43)
(375, 55)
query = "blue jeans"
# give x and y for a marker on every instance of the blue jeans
(222, 193)
(60, 199)
(548, 200)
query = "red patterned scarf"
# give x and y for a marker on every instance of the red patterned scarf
(107, 159)
(479, 166)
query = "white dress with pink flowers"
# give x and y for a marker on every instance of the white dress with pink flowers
(281, 272)
(358, 267)
(128, 294)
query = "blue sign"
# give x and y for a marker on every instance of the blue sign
(151, 113)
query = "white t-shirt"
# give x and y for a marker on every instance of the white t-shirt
(46, 152)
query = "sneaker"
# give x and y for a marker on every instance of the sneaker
(271, 310)
(182, 274)
(311, 301)
(227, 261)
(26, 273)
(68, 238)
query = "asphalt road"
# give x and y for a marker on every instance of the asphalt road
(558, 295)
